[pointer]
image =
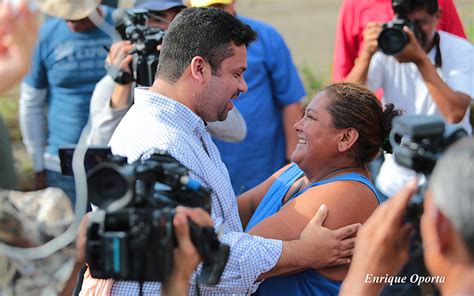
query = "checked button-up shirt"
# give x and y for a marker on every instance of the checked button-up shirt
(156, 122)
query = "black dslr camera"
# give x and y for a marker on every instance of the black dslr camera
(133, 25)
(393, 39)
(131, 237)
(418, 142)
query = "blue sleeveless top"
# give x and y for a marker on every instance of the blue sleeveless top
(308, 282)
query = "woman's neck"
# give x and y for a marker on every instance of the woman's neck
(336, 171)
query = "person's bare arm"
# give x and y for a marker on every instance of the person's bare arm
(81, 239)
(249, 200)
(452, 104)
(359, 72)
(348, 203)
(291, 114)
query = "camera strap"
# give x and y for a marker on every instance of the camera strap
(438, 59)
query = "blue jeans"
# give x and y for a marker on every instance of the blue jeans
(66, 183)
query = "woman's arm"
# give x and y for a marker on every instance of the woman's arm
(348, 202)
(249, 200)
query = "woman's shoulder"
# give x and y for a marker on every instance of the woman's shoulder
(348, 201)
(341, 191)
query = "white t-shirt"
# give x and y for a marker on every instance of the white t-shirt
(403, 86)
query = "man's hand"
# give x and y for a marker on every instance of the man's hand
(381, 245)
(186, 257)
(324, 247)
(41, 181)
(412, 52)
(371, 33)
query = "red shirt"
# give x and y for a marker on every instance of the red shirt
(354, 16)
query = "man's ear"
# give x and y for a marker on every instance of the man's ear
(444, 231)
(347, 139)
(199, 68)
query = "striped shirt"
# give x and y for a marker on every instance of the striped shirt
(156, 122)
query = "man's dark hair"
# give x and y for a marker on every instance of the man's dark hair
(205, 32)
(431, 6)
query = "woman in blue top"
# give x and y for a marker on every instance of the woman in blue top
(342, 130)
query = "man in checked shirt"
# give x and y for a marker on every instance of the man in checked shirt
(203, 57)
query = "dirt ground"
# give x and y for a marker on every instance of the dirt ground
(308, 27)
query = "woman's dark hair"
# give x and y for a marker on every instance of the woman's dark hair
(355, 106)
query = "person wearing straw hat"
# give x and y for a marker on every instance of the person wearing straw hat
(55, 94)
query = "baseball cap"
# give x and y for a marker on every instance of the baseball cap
(158, 5)
(68, 9)
(205, 3)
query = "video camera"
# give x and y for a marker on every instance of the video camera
(132, 25)
(418, 142)
(132, 237)
(393, 39)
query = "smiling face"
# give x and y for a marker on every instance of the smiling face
(317, 138)
(215, 101)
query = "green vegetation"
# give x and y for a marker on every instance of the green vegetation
(9, 111)
(467, 15)
(313, 83)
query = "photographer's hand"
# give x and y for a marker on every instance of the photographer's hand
(371, 33)
(119, 57)
(381, 246)
(360, 70)
(186, 257)
(452, 104)
(412, 52)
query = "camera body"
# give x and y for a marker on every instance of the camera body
(418, 142)
(132, 237)
(392, 38)
(132, 25)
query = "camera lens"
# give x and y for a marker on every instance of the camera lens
(105, 186)
(392, 40)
